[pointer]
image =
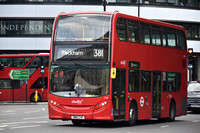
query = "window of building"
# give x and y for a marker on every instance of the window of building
(24, 27)
(145, 81)
(199, 31)
(133, 31)
(122, 29)
(156, 35)
(145, 33)
(192, 30)
(172, 3)
(134, 80)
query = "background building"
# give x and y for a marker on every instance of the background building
(26, 25)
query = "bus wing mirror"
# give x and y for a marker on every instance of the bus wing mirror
(113, 73)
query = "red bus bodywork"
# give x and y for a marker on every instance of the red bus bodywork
(24, 92)
(151, 58)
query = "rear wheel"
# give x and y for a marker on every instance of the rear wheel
(172, 112)
(132, 115)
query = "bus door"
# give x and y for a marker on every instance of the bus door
(156, 95)
(119, 94)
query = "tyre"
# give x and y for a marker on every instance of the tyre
(172, 112)
(132, 115)
(77, 122)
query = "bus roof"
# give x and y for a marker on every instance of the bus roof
(150, 21)
(117, 14)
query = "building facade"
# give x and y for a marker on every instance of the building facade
(26, 25)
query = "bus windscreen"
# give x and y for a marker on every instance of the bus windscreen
(83, 27)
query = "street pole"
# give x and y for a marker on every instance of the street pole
(26, 91)
(42, 87)
(138, 8)
(190, 75)
(104, 5)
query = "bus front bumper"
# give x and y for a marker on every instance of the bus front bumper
(65, 112)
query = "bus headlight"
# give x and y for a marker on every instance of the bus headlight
(101, 105)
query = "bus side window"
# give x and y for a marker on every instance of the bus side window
(38, 83)
(34, 63)
(5, 84)
(172, 81)
(145, 33)
(156, 35)
(164, 81)
(19, 61)
(134, 80)
(46, 61)
(146, 81)
(15, 84)
(171, 37)
(181, 39)
(6, 61)
(164, 37)
(133, 31)
(122, 29)
(178, 78)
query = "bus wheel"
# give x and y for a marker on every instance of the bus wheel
(132, 115)
(77, 122)
(172, 112)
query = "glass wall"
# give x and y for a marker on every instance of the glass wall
(192, 30)
(179, 3)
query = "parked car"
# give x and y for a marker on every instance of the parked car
(193, 98)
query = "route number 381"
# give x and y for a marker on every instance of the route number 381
(98, 53)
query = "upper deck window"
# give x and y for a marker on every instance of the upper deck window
(145, 33)
(83, 27)
(122, 29)
(171, 35)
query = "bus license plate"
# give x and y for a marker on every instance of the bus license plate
(77, 117)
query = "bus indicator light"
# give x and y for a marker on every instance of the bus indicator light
(113, 73)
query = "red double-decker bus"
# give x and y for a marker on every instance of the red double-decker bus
(24, 90)
(115, 67)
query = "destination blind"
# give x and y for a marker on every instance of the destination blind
(81, 53)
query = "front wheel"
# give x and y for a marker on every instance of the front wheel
(132, 115)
